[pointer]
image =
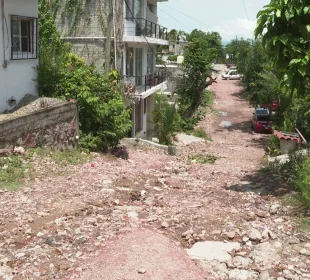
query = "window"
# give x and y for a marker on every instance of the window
(24, 37)
(130, 7)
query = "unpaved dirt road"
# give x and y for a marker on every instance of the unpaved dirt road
(133, 219)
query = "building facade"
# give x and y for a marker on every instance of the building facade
(18, 50)
(123, 35)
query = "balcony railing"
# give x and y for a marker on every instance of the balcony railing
(139, 84)
(144, 27)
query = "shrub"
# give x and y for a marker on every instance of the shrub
(188, 124)
(61, 74)
(273, 147)
(303, 180)
(12, 171)
(166, 119)
(103, 118)
(120, 152)
(200, 132)
(208, 98)
(203, 158)
(172, 57)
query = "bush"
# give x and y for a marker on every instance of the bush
(172, 57)
(200, 132)
(296, 172)
(120, 152)
(61, 74)
(103, 118)
(203, 158)
(208, 98)
(166, 119)
(273, 147)
(303, 180)
(188, 124)
(12, 171)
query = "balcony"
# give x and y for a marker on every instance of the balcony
(143, 85)
(150, 16)
(137, 29)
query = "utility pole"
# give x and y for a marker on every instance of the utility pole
(114, 34)
(119, 31)
(109, 39)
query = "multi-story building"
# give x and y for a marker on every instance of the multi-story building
(123, 35)
(18, 50)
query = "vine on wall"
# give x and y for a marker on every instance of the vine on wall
(69, 8)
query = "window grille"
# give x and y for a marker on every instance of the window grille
(24, 37)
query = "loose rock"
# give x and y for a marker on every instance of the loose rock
(255, 235)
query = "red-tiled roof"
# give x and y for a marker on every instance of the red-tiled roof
(287, 136)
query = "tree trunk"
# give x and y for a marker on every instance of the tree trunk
(190, 111)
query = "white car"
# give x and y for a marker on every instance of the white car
(231, 75)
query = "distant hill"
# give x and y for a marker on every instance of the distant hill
(225, 42)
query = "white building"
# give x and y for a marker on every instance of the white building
(18, 50)
(137, 33)
(177, 47)
(142, 33)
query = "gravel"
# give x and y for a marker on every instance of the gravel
(61, 224)
(29, 104)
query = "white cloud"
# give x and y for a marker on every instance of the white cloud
(246, 24)
(240, 27)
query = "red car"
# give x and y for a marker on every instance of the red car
(273, 106)
(261, 121)
(229, 65)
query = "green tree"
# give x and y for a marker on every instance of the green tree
(251, 62)
(177, 35)
(237, 49)
(284, 26)
(197, 76)
(213, 41)
(196, 34)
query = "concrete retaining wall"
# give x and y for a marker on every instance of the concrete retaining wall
(172, 150)
(55, 127)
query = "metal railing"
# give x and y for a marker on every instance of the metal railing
(144, 27)
(145, 81)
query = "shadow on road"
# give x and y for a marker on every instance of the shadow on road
(263, 182)
(245, 127)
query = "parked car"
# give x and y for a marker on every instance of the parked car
(229, 65)
(273, 106)
(261, 121)
(231, 75)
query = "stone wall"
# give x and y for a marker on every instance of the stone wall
(87, 30)
(91, 22)
(55, 127)
(91, 50)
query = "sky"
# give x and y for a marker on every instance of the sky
(230, 18)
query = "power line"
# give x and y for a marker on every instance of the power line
(246, 11)
(175, 19)
(195, 19)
